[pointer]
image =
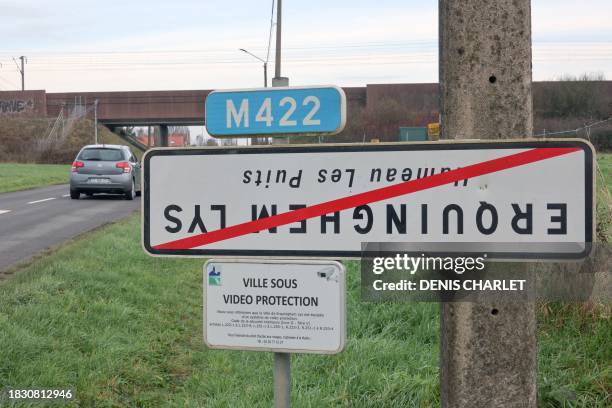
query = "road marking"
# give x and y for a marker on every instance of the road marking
(66, 195)
(40, 201)
(4, 211)
(372, 196)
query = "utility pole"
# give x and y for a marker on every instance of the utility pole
(282, 361)
(279, 19)
(488, 349)
(23, 59)
(278, 80)
(96, 121)
(21, 70)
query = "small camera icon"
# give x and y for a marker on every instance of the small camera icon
(328, 273)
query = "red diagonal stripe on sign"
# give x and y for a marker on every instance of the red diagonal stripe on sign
(379, 194)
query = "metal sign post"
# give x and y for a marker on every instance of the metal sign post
(279, 111)
(276, 306)
(282, 380)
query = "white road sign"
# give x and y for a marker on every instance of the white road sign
(282, 306)
(325, 200)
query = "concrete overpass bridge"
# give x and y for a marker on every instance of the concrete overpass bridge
(137, 108)
(125, 108)
(115, 109)
(147, 108)
(157, 108)
(184, 108)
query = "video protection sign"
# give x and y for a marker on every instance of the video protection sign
(325, 200)
(272, 305)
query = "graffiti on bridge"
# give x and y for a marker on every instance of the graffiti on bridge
(16, 106)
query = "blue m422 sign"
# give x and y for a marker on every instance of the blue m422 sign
(318, 110)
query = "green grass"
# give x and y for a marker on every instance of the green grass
(605, 164)
(604, 197)
(125, 329)
(575, 355)
(19, 176)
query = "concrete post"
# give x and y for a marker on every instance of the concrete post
(488, 350)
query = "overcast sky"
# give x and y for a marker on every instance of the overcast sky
(186, 44)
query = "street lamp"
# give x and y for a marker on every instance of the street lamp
(265, 66)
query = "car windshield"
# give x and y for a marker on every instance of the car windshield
(101, 154)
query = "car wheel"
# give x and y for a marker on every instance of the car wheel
(131, 193)
(74, 194)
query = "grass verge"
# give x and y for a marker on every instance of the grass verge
(604, 197)
(124, 329)
(20, 176)
(605, 164)
(25, 140)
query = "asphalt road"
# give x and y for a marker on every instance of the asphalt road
(34, 220)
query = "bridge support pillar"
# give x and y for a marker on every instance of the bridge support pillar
(163, 135)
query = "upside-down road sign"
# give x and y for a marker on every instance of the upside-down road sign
(326, 200)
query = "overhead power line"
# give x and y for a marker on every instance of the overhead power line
(270, 35)
(9, 83)
(552, 46)
(587, 128)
